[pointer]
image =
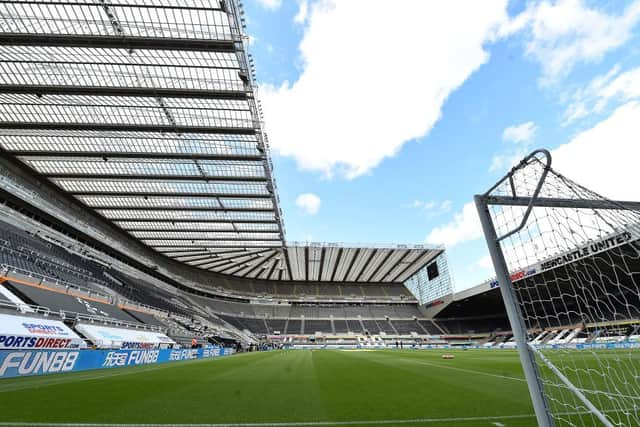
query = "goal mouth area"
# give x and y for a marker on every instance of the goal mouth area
(567, 257)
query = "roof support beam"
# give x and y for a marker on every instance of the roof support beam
(183, 253)
(287, 261)
(230, 266)
(211, 263)
(395, 277)
(218, 259)
(382, 263)
(273, 267)
(179, 208)
(167, 248)
(101, 127)
(124, 91)
(366, 263)
(172, 195)
(204, 266)
(258, 265)
(195, 230)
(135, 155)
(320, 269)
(191, 258)
(211, 239)
(237, 252)
(199, 220)
(353, 261)
(335, 265)
(117, 42)
(189, 250)
(306, 263)
(236, 264)
(123, 4)
(151, 177)
(413, 264)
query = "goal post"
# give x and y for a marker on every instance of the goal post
(567, 261)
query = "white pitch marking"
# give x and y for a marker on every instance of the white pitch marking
(281, 424)
(309, 423)
(471, 371)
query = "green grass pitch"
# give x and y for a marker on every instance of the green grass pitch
(328, 387)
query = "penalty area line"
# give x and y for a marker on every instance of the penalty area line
(283, 424)
(312, 423)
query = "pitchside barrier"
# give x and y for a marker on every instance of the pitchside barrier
(41, 362)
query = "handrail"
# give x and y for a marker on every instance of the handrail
(110, 299)
(77, 317)
(49, 280)
(44, 259)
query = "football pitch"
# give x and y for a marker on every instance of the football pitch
(297, 387)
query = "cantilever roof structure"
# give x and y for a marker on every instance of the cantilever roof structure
(312, 262)
(145, 111)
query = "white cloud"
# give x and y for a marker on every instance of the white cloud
(602, 90)
(504, 161)
(519, 133)
(521, 136)
(309, 203)
(465, 226)
(367, 89)
(445, 206)
(270, 4)
(605, 157)
(303, 12)
(484, 262)
(565, 33)
(430, 207)
(419, 204)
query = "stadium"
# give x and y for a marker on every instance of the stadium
(145, 277)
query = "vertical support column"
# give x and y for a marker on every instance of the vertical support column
(527, 359)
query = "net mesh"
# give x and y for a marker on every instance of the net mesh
(576, 276)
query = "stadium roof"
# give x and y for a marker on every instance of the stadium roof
(311, 262)
(144, 110)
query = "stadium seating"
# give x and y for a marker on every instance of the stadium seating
(145, 318)
(355, 326)
(404, 327)
(429, 327)
(60, 301)
(294, 326)
(276, 325)
(340, 326)
(58, 274)
(313, 326)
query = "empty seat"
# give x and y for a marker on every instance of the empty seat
(57, 301)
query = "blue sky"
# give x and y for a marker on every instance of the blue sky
(386, 118)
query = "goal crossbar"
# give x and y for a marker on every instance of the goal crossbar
(550, 202)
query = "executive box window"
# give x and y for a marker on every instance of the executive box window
(432, 271)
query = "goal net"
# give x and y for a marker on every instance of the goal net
(573, 260)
